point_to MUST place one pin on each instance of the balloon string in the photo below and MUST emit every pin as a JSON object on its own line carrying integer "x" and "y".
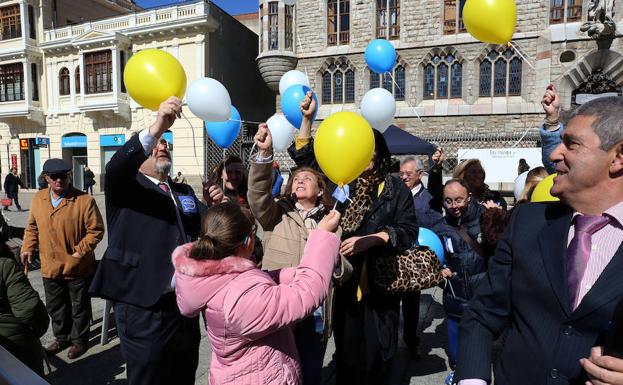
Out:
{"x": 245, "y": 121}
{"x": 298, "y": 40}
{"x": 521, "y": 55}
{"x": 193, "y": 135}
{"x": 224, "y": 167}
{"x": 406, "y": 99}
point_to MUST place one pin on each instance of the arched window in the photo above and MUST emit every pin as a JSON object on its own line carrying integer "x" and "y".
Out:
{"x": 395, "y": 86}
{"x": 77, "y": 80}
{"x": 443, "y": 77}
{"x": 338, "y": 83}
{"x": 338, "y": 22}
{"x": 500, "y": 74}
{"x": 64, "y": 87}
{"x": 388, "y": 19}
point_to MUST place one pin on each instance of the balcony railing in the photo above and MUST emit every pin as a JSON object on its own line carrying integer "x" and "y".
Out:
{"x": 147, "y": 18}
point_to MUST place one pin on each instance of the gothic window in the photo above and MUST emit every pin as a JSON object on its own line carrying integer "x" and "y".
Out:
{"x": 338, "y": 22}
{"x": 453, "y": 17}
{"x": 63, "y": 82}
{"x": 11, "y": 82}
{"x": 500, "y": 74}
{"x": 273, "y": 25}
{"x": 289, "y": 34}
{"x": 396, "y": 85}
{"x": 565, "y": 11}
{"x": 443, "y": 77}
{"x": 388, "y": 19}
{"x": 338, "y": 83}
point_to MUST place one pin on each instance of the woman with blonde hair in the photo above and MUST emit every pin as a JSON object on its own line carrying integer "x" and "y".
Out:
{"x": 535, "y": 175}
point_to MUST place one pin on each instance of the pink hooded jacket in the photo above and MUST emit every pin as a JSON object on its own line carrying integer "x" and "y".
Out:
{"x": 248, "y": 315}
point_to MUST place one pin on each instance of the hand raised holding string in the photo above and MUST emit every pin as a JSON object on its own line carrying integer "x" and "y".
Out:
{"x": 264, "y": 140}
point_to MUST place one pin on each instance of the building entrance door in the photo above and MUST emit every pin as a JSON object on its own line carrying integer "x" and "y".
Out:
{"x": 77, "y": 167}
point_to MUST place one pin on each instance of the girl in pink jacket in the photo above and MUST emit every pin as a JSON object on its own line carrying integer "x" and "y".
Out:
{"x": 248, "y": 313}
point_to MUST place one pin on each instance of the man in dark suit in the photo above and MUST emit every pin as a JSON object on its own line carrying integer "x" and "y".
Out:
{"x": 555, "y": 280}
{"x": 148, "y": 216}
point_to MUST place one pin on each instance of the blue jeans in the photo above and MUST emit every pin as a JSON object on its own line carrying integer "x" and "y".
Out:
{"x": 453, "y": 341}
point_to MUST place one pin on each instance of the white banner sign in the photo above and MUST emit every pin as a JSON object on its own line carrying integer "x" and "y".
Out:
{"x": 500, "y": 164}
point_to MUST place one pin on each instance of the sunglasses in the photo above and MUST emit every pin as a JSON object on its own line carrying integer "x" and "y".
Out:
{"x": 61, "y": 176}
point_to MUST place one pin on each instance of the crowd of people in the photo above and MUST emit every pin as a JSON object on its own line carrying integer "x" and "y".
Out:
{"x": 540, "y": 280}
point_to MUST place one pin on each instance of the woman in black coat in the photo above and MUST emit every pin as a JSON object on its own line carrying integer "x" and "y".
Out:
{"x": 378, "y": 222}
{"x": 11, "y": 187}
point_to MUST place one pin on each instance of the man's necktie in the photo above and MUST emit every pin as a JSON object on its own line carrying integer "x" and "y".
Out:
{"x": 164, "y": 187}
{"x": 579, "y": 251}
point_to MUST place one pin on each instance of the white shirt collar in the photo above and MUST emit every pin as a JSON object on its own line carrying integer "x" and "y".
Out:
{"x": 156, "y": 181}
{"x": 418, "y": 187}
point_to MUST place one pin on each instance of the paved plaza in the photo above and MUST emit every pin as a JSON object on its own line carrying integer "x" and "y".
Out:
{"x": 103, "y": 364}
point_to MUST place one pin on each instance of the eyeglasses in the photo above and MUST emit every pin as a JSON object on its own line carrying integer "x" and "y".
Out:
{"x": 61, "y": 176}
{"x": 408, "y": 174}
{"x": 454, "y": 202}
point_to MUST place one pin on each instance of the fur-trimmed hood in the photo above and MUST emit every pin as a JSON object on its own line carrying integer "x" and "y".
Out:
{"x": 186, "y": 265}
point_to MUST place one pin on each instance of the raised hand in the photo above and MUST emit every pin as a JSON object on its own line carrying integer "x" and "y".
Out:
{"x": 308, "y": 105}
{"x": 330, "y": 222}
{"x": 551, "y": 103}
{"x": 264, "y": 140}
{"x": 169, "y": 110}
{"x": 437, "y": 158}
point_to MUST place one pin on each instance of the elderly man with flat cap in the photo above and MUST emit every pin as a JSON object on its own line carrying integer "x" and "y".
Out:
{"x": 65, "y": 225}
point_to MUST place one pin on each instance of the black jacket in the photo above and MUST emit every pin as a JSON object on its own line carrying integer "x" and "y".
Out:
{"x": 142, "y": 230}
{"x": 11, "y": 183}
{"x": 525, "y": 296}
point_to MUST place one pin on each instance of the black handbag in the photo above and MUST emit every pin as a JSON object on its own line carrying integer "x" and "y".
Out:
{"x": 453, "y": 304}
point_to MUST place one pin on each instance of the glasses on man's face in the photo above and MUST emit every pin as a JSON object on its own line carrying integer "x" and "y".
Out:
{"x": 406, "y": 174}
{"x": 449, "y": 202}
{"x": 61, "y": 176}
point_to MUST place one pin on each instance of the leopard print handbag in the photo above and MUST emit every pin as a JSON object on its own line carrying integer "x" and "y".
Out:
{"x": 412, "y": 270}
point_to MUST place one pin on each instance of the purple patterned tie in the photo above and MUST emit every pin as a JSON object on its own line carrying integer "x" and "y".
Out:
{"x": 579, "y": 251}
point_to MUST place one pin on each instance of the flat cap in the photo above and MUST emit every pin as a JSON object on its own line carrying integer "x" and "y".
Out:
{"x": 55, "y": 166}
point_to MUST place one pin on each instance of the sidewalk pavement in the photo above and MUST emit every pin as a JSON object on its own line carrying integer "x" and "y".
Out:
{"x": 103, "y": 364}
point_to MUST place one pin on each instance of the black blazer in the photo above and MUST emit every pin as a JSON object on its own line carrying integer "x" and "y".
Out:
{"x": 142, "y": 230}
{"x": 525, "y": 296}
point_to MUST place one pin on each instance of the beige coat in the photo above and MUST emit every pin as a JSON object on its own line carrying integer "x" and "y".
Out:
{"x": 76, "y": 225}
{"x": 285, "y": 234}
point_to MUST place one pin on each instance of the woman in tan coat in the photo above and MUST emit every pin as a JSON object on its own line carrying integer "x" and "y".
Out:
{"x": 286, "y": 224}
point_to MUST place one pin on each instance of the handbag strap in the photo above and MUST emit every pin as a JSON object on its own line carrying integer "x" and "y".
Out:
{"x": 473, "y": 244}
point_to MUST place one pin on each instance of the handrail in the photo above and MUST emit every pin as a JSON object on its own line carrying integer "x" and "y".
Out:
{"x": 14, "y": 372}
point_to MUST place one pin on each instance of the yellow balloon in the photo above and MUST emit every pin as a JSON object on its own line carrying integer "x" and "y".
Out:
{"x": 490, "y": 21}
{"x": 344, "y": 146}
{"x": 542, "y": 193}
{"x": 151, "y": 76}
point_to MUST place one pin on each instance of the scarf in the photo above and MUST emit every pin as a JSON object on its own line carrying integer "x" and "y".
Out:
{"x": 311, "y": 216}
{"x": 360, "y": 203}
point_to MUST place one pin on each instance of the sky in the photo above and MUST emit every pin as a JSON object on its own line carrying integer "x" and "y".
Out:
{"x": 233, "y": 7}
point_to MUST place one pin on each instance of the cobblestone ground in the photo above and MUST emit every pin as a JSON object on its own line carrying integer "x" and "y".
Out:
{"x": 103, "y": 364}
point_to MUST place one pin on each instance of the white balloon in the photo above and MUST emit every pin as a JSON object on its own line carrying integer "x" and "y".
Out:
{"x": 209, "y": 100}
{"x": 520, "y": 183}
{"x": 378, "y": 106}
{"x": 289, "y": 2}
{"x": 282, "y": 132}
{"x": 292, "y": 78}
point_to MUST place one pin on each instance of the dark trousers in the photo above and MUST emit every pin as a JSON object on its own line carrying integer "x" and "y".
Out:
{"x": 159, "y": 344}
{"x": 69, "y": 304}
{"x": 410, "y": 318}
{"x": 88, "y": 187}
{"x": 311, "y": 350}
{"x": 453, "y": 341}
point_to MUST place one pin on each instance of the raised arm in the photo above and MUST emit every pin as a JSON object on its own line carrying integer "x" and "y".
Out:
{"x": 259, "y": 194}
{"x": 271, "y": 307}
{"x": 551, "y": 130}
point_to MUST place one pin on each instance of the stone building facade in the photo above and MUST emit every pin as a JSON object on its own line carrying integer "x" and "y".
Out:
{"x": 450, "y": 88}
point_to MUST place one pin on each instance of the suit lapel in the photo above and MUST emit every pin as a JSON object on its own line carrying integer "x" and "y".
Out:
{"x": 553, "y": 245}
{"x": 605, "y": 288}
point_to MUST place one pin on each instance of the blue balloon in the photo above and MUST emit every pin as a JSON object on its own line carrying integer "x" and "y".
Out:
{"x": 291, "y": 104}
{"x": 225, "y": 133}
{"x": 380, "y": 56}
{"x": 429, "y": 239}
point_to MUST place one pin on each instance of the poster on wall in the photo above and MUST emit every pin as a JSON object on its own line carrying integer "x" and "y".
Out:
{"x": 13, "y": 160}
